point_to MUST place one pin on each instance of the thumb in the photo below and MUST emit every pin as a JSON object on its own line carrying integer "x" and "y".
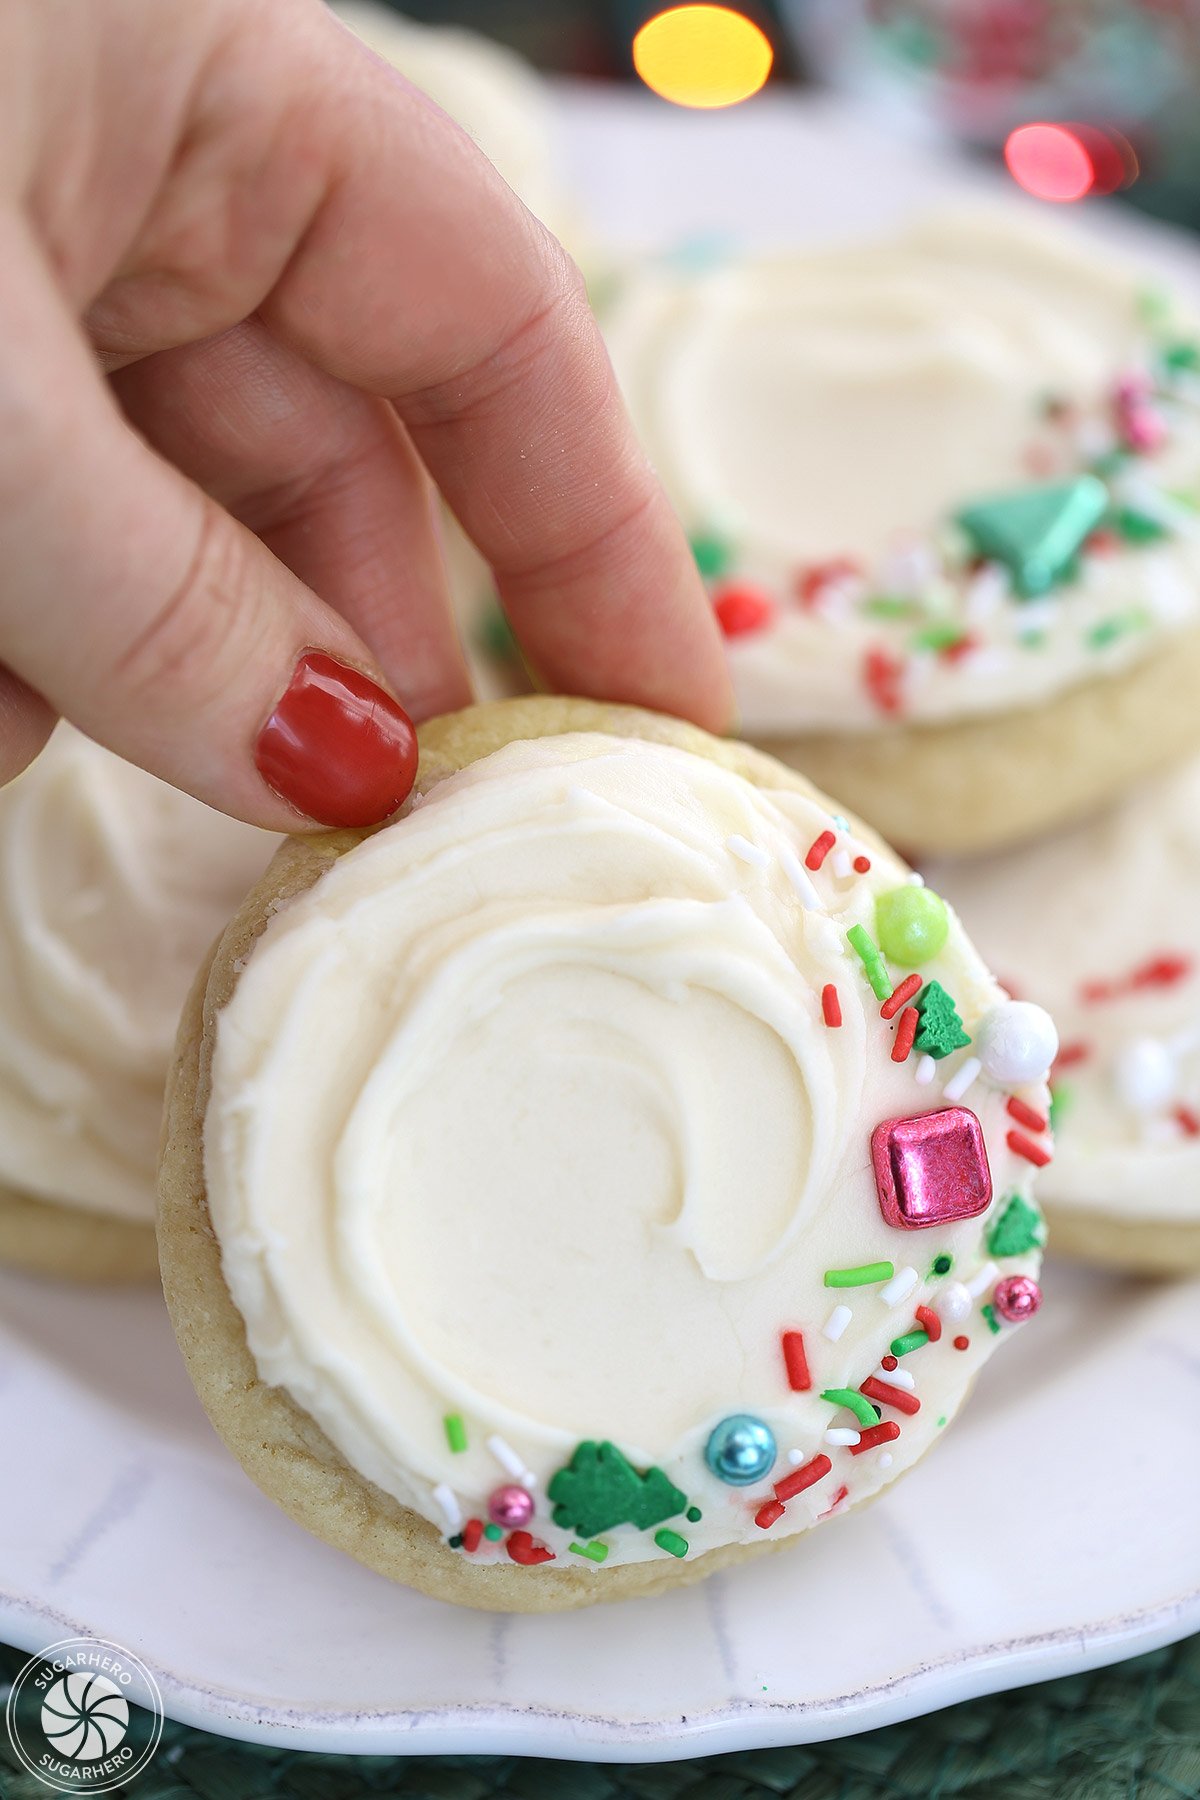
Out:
{"x": 154, "y": 621}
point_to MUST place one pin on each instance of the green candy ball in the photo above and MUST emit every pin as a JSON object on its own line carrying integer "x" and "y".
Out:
{"x": 911, "y": 924}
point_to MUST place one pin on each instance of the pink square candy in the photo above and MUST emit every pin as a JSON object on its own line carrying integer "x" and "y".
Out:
{"x": 932, "y": 1169}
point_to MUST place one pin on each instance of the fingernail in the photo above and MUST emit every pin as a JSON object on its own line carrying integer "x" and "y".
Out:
{"x": 336, "y": 747}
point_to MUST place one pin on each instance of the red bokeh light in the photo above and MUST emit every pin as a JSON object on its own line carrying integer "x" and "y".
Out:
{"x": 1050, "y": 161}
{"x": 1064, "y": 162}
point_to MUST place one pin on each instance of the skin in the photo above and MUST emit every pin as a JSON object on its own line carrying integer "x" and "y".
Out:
{"x": 260, "y": 298}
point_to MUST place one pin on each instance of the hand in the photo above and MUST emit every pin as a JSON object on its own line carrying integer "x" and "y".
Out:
{"x": 314, "y": 300}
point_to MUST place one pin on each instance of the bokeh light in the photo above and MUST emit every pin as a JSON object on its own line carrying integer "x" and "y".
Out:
{"x": 1050, "y": 162}
{"x": 705, "y": 56}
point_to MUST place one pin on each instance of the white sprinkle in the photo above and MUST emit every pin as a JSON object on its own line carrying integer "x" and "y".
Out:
{"x": 527, "y": 1478}
{"x": 915, "y": 879}
{"x": 898, "y": 1377}
{"x": 795, "y": 1457}
{"x": 506, "y": 1456}
{"x": 884, "y": 1461}
{"x": 836, "y": 1323}
{"x": 841, "y": 864}
{"x": 954, "y": 1303}
{"x": 797, "y": 874}
{"x": 926, "y": 1068}
{"x": 979, "y": 1284}
{"x": 746, "y": 852}
{"x": 448, "y": 1501}
{"x": 963, "y": 1078}
{"x": 841, "y": 1434}
{"x": 986, "y": 592}
{"x": 900, "y": 1286}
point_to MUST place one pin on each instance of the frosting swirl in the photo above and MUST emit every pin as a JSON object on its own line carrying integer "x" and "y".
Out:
{"x": 112, "y": 886}
{"x": 820, "y": 420}
{"x": 527, "y": 1128}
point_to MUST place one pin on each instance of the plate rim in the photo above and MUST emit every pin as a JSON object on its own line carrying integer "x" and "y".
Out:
{"x": 516, "y": 1729}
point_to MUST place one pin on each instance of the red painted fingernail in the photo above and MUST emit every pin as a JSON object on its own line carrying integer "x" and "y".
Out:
{"x": 337, "y": 747}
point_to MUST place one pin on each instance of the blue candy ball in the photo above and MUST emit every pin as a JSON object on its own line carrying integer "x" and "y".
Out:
{"x": 740, "y": 1450}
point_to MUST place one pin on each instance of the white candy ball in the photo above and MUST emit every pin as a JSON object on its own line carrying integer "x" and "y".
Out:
{"x": 1016, "y": 1041}
{"x": 1145, "y": 1074}
{"x": 954, "y": 1303}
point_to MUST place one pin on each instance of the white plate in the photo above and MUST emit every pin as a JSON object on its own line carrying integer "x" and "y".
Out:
{"x": 1054, "y": 1531}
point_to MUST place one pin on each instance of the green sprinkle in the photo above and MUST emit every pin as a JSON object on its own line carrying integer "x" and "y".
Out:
{"x": 496, "y": 635}
{"x": 1118, "y": 626}
{"x": 596, "y": 1551}
{"x": 456, "y": 1432}
{"x": 693, "y": 1515}
{"x": 942, "y": 1420}
{"x": 455, "y": 1542}
{"x": 1061, "y": 1098}
{"x": 712, "y": 553}
{"x": 1181, "y": 359}
{"x": 1138, "y": 527}
{"x": 493, "y": 1533}
{"x": 1017, "y": 1229}
{"x": 1181, "y": 497}
{"x": 857, "y": 1403}
{"x": 1154, "y": 306}
{"x": 862, "y": 1276}
{"x": 989, "y": 1313}
{"x": 868, "y": 952}
{"x": 912, "y": 1340}
{"x": 942, "y": 1264}
{"x": 671, "y": 1542}
{"x": 1032, "y": 640}
{"x": 940, "y": 1031}
{"x": 937, "y": 637}
{"x": 888, "y": 606}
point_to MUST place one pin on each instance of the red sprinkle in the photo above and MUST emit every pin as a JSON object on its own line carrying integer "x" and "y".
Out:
{"x": 802, "y": 1478}
{"x": 962, "y": 1343}
{"x": 862, "y": 865}
{"x": 472, "y": 1531}
{"x": 821, "y": 575}
{"x": 1185, "y": 1117}
{"x": 767, "y": 1514}
{"x": 932, "y": 1324}
{"x": 882, "y": 675}
{"x": 834, "y": 1503}
{"x": 877, "y": 1434}
{"x": 831, "y": 1006}
{"x": 1020, "y": 1145}
{"x": 889, "y": 1363}
{"x": 522, "y": 1549}
{"x": 1102, "y": 542}
{"x": 819, "y": 849}
{"x": 1025, "y": 1115}
{"x": 741, "y": 608}
{"x": 887, "y": 1395}
{"x": 906, "y": 1031}
{"x": 959, "y": 647}
{"x": 796, "y": 1362}
{"x": 1070, "y": 1054}
{"x": 1160, "y": 971}
{"x": 900, "y": 996}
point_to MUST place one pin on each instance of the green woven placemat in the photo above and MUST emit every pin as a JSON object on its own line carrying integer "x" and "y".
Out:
{"x": 1127, "y": 1733}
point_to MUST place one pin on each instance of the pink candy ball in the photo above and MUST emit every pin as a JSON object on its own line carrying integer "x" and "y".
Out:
{"x": 1017, "y": 1297}
{"x": 511, "y": 1506}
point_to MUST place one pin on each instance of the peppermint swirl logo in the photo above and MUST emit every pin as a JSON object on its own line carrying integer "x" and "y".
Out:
{"x": 84, "y": 1714}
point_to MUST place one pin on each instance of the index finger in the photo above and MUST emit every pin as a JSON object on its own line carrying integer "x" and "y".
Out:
{"x": 421, "y": 277}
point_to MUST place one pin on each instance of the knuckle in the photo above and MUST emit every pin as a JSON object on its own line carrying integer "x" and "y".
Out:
{"x": 191, "y": 640}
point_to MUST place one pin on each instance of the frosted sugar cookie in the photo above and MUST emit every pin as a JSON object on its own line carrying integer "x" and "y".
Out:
{"x": 614, "y": 1165}
{"x": 1102, "y": 924}
{"x": 944, "y": 488}
{"x": 112, "y": 886}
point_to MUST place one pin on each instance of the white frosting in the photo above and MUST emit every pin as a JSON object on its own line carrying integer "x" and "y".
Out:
{"x": 490, "y": 91}
{"x": 112, "y": 887}
{"x": 848, "y": 403}
{"x": 526, "y": 1111}
{"x": 1084, "y": 922}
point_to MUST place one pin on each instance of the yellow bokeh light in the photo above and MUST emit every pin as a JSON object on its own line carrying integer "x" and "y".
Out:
{"x": 702, "y": 56}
